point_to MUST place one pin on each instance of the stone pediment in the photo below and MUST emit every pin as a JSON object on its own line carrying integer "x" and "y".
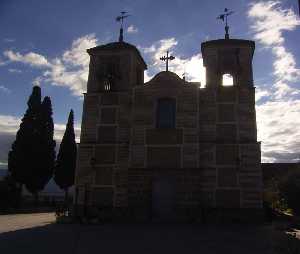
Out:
{"x": 166, "y": 79}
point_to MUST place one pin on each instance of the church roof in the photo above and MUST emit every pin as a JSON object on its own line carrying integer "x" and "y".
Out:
{"x": 228, "y": 42}
{"x": 117, "y": 46}
{"x": 166, "y": 77}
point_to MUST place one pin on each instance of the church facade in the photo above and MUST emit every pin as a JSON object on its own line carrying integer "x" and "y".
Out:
{"x": 167, "y": 148}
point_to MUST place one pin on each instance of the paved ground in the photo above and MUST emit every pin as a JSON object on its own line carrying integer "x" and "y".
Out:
{"x": 22, "y": 221}
{"x": 35, "y": 233}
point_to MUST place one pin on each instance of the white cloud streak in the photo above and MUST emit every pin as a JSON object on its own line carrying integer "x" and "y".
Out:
{"x": 278, "y": 129}
{"x": 10, "y": 125}
{"x": 30, "y": 58}
{"x": 261, "y": 93}
{"x": 132, "y": 29}
{"x": 269, "y": 21}
{"x": 8, "y": 40}
{"x": 278, "y": 114}
{"x": 4, "y": 89}
{"x": 69, "y": 70}
{"x": 14, "y": 71}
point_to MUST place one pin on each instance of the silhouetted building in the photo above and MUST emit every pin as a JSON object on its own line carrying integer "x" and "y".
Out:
{"x": 166, "y": 148}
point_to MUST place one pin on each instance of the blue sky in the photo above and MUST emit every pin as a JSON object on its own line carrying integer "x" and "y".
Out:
{"x": 44, "y": 42}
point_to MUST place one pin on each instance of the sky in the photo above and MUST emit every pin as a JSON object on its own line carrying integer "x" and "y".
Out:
{"x": 44, "y": 43}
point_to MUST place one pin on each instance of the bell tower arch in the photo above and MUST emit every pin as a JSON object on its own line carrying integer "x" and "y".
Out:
{"x": 116, "y": 66}
{"x": 228, "y": 56}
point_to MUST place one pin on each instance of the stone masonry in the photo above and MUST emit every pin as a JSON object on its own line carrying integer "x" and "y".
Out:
{"x": 209, "y": 159}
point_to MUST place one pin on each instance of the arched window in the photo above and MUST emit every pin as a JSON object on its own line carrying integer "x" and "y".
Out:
{"x": 107, "y": 85}
{"x": 227, "y": 80}
{"x": 166, "y": 111}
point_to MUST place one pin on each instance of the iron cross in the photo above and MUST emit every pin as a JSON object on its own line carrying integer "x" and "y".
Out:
{"x": 224, "y": 17}
{"x": 167, "y": 58}
{"x": 121, "y": 19}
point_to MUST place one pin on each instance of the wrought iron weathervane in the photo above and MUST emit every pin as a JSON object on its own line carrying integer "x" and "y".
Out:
{"x": 167, "y": 58}
{"x": 224, "y": 17}
{"x": 121, "y": 19}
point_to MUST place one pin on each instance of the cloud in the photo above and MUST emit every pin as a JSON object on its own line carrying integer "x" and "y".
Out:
{"x": 159, "y": 48}
{"x": 59, "y": 130}
{"x": 3, "y": 165}
{"x": 9, "y": 126}
{"x": 132, "y": 29}
{"x": 37, "y": 81}
{"x": 76, "y": 55}
{"x": 6, "y": 139}
{"x": 8, "y": 40}
{"x": 3, "y": 62}
{"x": 30, "y": 58}
{"x": 191, "y": 66}
{"x": 5, "y": 90}
{"x": 278, "y": 129}
{"x": 69, "y": 70}
{"x": 261, "y": 93}
{"x": 278, "y": 108}
{"x": 14, "y": 70}
{"x": 269, "y": 21}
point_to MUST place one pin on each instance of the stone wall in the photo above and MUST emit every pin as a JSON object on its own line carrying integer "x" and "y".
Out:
{"x": 215, "y": 135}
{"x": 207, "y": 141}
{"x": 107, "y": 146}
{"x": 212, "y": 152}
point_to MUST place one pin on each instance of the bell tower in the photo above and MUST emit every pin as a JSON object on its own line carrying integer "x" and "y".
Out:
{"x": 103, "y": 153}
{"x": 115, "y": 67}
{"x": 232, "y": 123}
{"x": 228, "y": 56}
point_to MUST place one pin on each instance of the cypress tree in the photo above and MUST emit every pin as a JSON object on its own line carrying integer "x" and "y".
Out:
{"x": 43, "y": 165}
{"x": 64, "y": 173}
{"x": 48, "y": 140}
{"x": 23, "y": 152}
{"x": 31, "y": 159}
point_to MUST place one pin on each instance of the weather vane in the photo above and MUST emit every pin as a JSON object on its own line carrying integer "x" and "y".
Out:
{"x": 224, "y": 18}
{"x": 167, "y": 58}
{"x": 121, "y": 19}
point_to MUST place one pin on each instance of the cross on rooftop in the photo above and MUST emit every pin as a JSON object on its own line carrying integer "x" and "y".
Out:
{"x": 121, "y": 19}
{"x": 224, "y": 17}
{"x": 167, "y": 58}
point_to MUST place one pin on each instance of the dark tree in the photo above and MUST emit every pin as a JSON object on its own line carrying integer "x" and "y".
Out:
{"x": 48, "y": 140}
{"x": 23, "y": 151}
{"x": 43, "y": 165}
{"x": 289, "y": 188}
{"x": 66, "y": 159}
{"x": 31, "y": 159}
{"x": 9, "y": 194}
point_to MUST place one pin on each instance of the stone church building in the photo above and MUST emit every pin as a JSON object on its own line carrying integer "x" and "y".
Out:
{"x": 166, "y": 148}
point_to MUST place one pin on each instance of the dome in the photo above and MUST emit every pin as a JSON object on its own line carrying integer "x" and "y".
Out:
{"x": 167, "y": 77}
